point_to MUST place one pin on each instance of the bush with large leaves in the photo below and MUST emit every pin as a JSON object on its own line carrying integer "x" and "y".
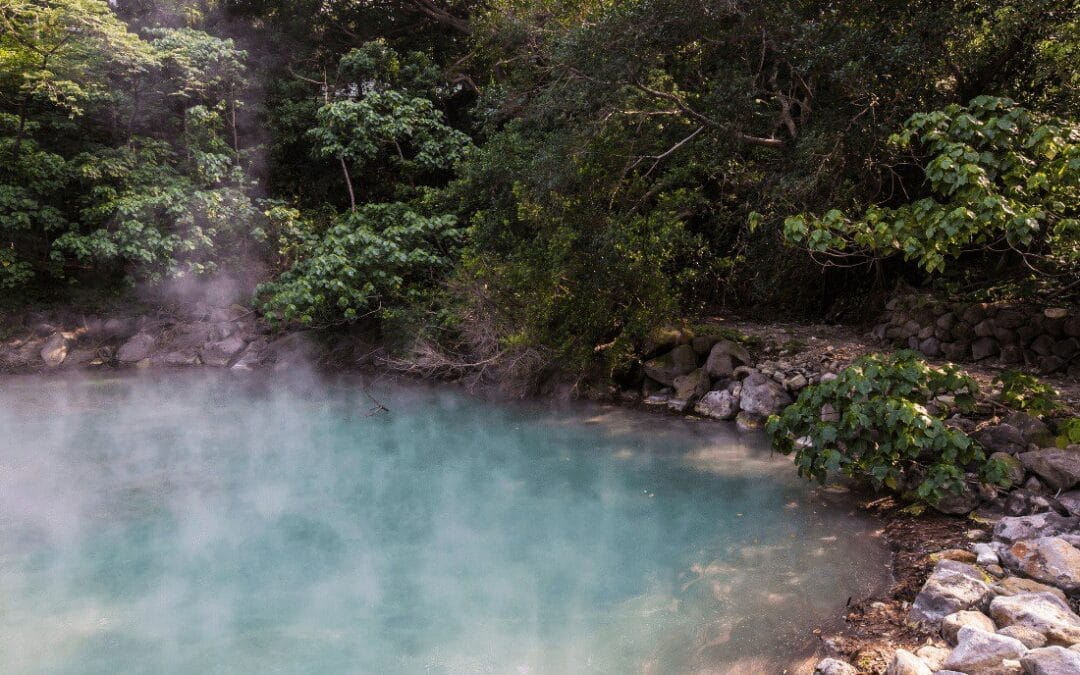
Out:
{"x": 872, "y": 423}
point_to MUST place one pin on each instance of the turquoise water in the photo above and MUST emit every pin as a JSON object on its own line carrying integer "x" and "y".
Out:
{"x": 198, "y": 524}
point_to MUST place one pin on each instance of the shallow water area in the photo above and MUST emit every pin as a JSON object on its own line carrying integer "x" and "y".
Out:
{"x": 200, "y": 522}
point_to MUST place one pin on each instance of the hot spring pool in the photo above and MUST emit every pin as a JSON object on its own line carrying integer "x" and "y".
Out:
{"x": 205, "y": 524}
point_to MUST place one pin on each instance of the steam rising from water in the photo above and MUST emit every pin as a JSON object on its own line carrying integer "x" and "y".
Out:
{"x": 203, "y": 524}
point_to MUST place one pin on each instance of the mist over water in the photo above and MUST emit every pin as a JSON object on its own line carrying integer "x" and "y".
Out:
{"x": 202, "y": 523}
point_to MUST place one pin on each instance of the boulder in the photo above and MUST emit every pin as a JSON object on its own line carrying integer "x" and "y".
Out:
{"x": 834, "y": 667}
{"x": 253, "y": 356}
{"x": 933, "y": 655}
{"x": 980, "y": 653}
{"x": 115, "y": 328}
{"x": 1001, "y": 438}
{"x": 1051, "y": 661}
{"x": 1070, "y": 501}
{"x": 1058, "y": 468}
{"x": 692, "y": 386}
{"x": 1013, "y": 529}
{"x": 1018, "y": 585}
{"x": 747, "y": 423}
{"x": 984, "y": 348}
{"x": 1014, "y": 470}
{"x": 958, "y": 504}
{"x": 136, "y": 349}
{"x": 182, "y": 358}
{"x": 1031, "y": 638}
{"x": 952, "y": 587}
{"x": 660, "y": 397}
{"x": 951, "y": 625}
{"x": 665, "y": 368}
{"x": 724, "y": 356}
{"x": 1031, "y": 428}
{"x": 906, "y": 663}
{"x": 1051, "y": 560}
{"x": 55, "y": 350}
{"x": 985, "y": 555}
{"x": 1045, "y": 613}
{"x": 762, "y": 396}
{"x": 720, "y": 405}
{"x": 220, "y": 353}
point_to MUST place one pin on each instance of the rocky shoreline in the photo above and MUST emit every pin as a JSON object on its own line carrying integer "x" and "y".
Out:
{"x": 997, "y": 593}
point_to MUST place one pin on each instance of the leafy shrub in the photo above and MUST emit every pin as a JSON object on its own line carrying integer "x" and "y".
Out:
{"x": 1026, "y": 392}
{"x": 1068, "y": 432}
{"x": 375, "y": 260}
{"x": 872, "y": 423}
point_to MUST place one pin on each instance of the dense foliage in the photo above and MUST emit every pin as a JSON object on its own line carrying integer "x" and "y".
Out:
{"x": 554, "y": 176}
{"x": 873, "y": 423}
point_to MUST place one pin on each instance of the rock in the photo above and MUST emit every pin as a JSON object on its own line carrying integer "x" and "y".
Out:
{"x": 1017, "y": 585}
{"x": 679, "y": 405}
{"x": 747, "y": 423}
{"x": 952, "y": 587}
{"x": 958, "y": 504}
{"x": 1055, "y": 312}
{"x": 834, "y": 667}
{"x": 1013, "y": 529}
{"x": 703, "y": 344}
{"x": 1043, "y": 345}
{"x": 693, "y": 385}
{"x": 719, "y": 405}
{"x": 1032, "y": 429}
{"x": 955, "y": 351}
{"x": 220, "y": 353}
{"x": 930, "y": 346}
{"x": 252, "y": 357}
{"x": 1001, "y": 438}
{"x": 55, "y": 350}
{"x": 1014, "y": 470}
{"x": 984, "y": 348}
{"x": 1058, "y": 468}
{"x": 985, "y": 554}
{"x": 906, "y": 663}
{"x": 1051, "y": 560}
{"x": 723, "y": 357}
{"x": 1071, "y": 501}
{"x": 1045, "y": 613}
{"x": 115, "y": 328}
{"x": 957, "y": 554}
{"x": 933, "y": 656}
{"x": 795, "y": 383}
{"x": 1031, "y": 638}
{"x": 659, "y": 398}
{"x": 951, "y": 624}
{"x": 182, "y": 358}
{"x": 664, "y": 339}
{"x": 762, "y": 396}
{"x": 136, "y": 349}
{"x": 679, "y": 361}
{"x": 1051, "y": 661}
{"x": 980, "y": 653}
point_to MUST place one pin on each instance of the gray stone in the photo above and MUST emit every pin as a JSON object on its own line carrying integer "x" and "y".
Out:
{"x": 1071, "y": 501}
{"x": 136, "y": 349}
{"x": 666, "y": 368}
{"x": 985, "y": 328}
{"x": 720, "y": 405}
{"x": 933, "y": 655}
{"x": 1051, "y": 560}
{"x": 1043, "y": 345}
{"x": 693, "y": 385}
{"x": 679, "y": 405}
{"x": 906, "y": 663}
{"x": 1051, "y": 661}
{"x": 1058, "y": 468}
{"x": 219, "y": 354}
{"x": 984, "y": 348}
{"x": 55, "y": 350}
{"x": 1031, "y": 638}
{"x": 660, "y": 397}
{"x": 1001, "y": 438}
{"x": 1045, "y": 613}
{"x": 1013, "y": 529}
{"x": 951, "y": 624}
{"x": 1014, "y": 470}
{"x": 116, "y": 328}
{"x": 985, "y": 555}
{"x": 724, "y": 356}
{"x": 1019, "y": 585}
{"x": 182, "y": 358}
{"x": 982, "y": 653}
{"x": 834, "y": 667}
{"x": 930, "y": 346}
{"x": 1065, "y": 349}
{"x": 762, "y": 396}
{"x": 1031, "y": 428}
{"x": 951, "y": 587}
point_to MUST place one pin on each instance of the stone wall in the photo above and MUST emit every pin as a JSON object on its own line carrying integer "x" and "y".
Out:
{"x": 1045, "y": 338}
